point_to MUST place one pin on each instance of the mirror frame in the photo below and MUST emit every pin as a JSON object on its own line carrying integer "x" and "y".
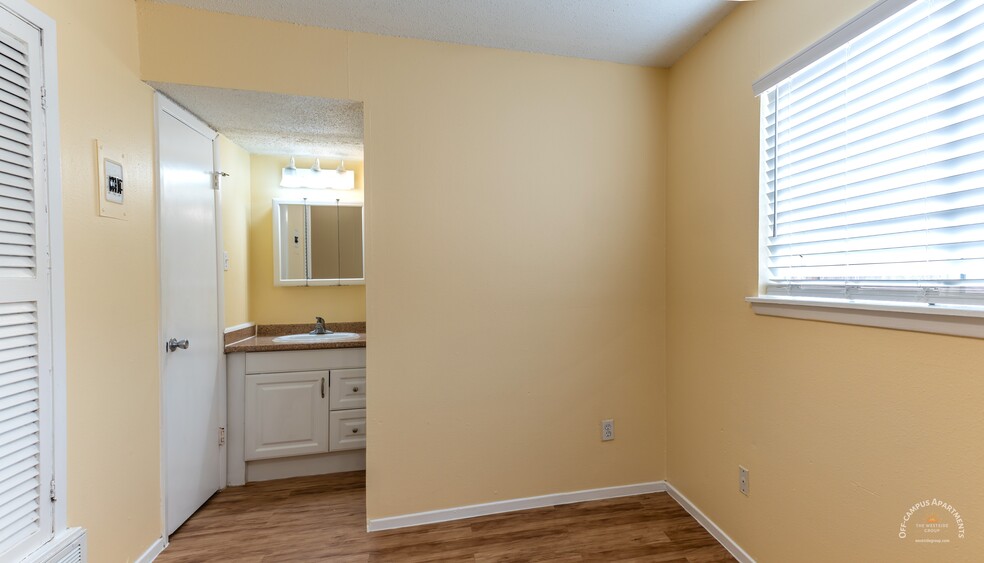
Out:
{"x": 277, "y": 242}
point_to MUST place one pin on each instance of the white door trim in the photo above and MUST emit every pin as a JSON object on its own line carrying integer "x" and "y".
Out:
{"x": 158, "y": 110}
{"x": 56, "y": 238}
{"x": 220, "y": 301}
{"x": 162, "y": 105}
{"x": 181, "y": 114}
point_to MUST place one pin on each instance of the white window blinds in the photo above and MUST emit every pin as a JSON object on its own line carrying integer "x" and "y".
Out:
{"x": 26, "y": 444}
{"x": 873, "y": 163}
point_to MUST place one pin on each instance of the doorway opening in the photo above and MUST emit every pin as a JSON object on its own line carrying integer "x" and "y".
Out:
{"x": 288, "y": 256}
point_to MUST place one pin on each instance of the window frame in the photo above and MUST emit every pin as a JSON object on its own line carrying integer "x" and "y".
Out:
{"x": 942, "y": 318}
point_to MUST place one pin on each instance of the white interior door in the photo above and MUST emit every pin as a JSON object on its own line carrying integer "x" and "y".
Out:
{"x": 189, "y": 308}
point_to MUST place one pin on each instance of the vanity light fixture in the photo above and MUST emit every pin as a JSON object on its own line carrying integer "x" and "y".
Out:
{"x": 316, "y": 178}
{"x": 289, "y": 178}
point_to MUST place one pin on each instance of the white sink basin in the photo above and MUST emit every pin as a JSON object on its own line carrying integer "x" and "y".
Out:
{"x": 330, "y": 337}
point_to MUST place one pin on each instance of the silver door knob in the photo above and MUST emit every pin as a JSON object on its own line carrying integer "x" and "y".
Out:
{"x": 173, "y": 344}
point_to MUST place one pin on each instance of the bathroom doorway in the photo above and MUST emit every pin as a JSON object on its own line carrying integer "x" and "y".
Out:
{"x": 291, "y": 248}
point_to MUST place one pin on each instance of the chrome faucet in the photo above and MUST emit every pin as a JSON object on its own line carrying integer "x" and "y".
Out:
{"x": 319, "y": 326}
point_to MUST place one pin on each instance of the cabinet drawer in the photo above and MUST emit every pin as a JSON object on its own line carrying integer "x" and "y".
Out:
{"x": 348, "y": 430}
{"x": 348, "y": 389}
{"x": 286, "y": 414}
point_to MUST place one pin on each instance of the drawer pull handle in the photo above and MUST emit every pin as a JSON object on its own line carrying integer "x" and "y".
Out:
{"x": 355, "y": 430}
{"x": 322, "y": 388}
{"x": 355, "y": 389}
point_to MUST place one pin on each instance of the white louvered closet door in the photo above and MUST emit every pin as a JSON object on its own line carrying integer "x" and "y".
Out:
{"x": 26, "y": 443}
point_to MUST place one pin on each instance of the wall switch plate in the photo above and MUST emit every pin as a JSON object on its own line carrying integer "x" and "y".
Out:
{"x": 607, "y": 430}
{"x": 111, "y": 182}
{"x": 225, "y": 260}
{"x": 743, "y": 480}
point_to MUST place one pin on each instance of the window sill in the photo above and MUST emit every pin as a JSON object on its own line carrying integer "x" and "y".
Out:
{"x": 954, "y": 320}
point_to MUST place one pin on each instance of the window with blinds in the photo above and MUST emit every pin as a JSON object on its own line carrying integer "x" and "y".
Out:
{"x": 873, "y": 164}
{"x": 26, "y": 438}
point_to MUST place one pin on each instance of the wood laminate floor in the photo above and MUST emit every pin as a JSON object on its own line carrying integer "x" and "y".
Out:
{"x": 323, "y": 518}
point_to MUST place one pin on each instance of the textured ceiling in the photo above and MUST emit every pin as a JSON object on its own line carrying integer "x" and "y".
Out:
{"x": 642, "y": 32}
{"x": 265, "y": 123}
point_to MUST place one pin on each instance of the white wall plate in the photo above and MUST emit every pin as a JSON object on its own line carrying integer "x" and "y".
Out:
{"x": 111, "y": 185}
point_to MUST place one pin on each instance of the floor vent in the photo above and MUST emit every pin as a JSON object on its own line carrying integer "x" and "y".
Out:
{"x": 69, "y": 548}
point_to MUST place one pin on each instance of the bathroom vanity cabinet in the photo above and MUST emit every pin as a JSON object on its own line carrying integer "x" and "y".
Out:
{"x": 295, "y": 413}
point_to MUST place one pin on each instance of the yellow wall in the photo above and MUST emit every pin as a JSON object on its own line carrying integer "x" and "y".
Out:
{"x": 236, "y": 202}
{"x": 515, "y": 250}
{"x": 271, "y": 304}
{"x": 111, "y": 282}
{"x": 843, "y": 428}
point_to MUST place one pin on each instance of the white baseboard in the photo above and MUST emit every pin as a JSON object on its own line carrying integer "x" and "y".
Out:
{"x": 471, "y": 511}
{"x": 302, "y": 466}
{"x": 152, "y": 552}
{"x": 722, "y": 538}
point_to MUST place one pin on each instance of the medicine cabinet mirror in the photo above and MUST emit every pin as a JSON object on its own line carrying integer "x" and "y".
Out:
{"x": 318, "y": 243}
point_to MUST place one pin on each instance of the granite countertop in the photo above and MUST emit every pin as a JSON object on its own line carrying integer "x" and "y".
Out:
{"x": 260, "y": 338}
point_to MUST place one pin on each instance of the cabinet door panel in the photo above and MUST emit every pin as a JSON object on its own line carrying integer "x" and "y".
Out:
{"x": 348, "y": 430}
{"x": 348, "y": 389}
{"x": 286, "y": 414}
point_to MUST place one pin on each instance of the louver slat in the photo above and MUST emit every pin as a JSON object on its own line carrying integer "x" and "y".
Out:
{"x": 14, "y": 67}
{"x": 15, "y": 54}
{"x": 17, "y": 222}
{"x": 20, "y": 485}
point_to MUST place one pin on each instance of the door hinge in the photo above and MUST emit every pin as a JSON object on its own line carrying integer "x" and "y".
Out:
{"x": 215, "y": 178}
{"x": 44, "y": 98}
{"x": 222, "y": 435}
{"x": 51, "y": 490}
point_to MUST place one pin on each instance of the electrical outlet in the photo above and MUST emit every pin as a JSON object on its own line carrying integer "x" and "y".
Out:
{"x": 743, "y": 480}
{"x": 607, "y": 430}
{"x": 225, "y": 260}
